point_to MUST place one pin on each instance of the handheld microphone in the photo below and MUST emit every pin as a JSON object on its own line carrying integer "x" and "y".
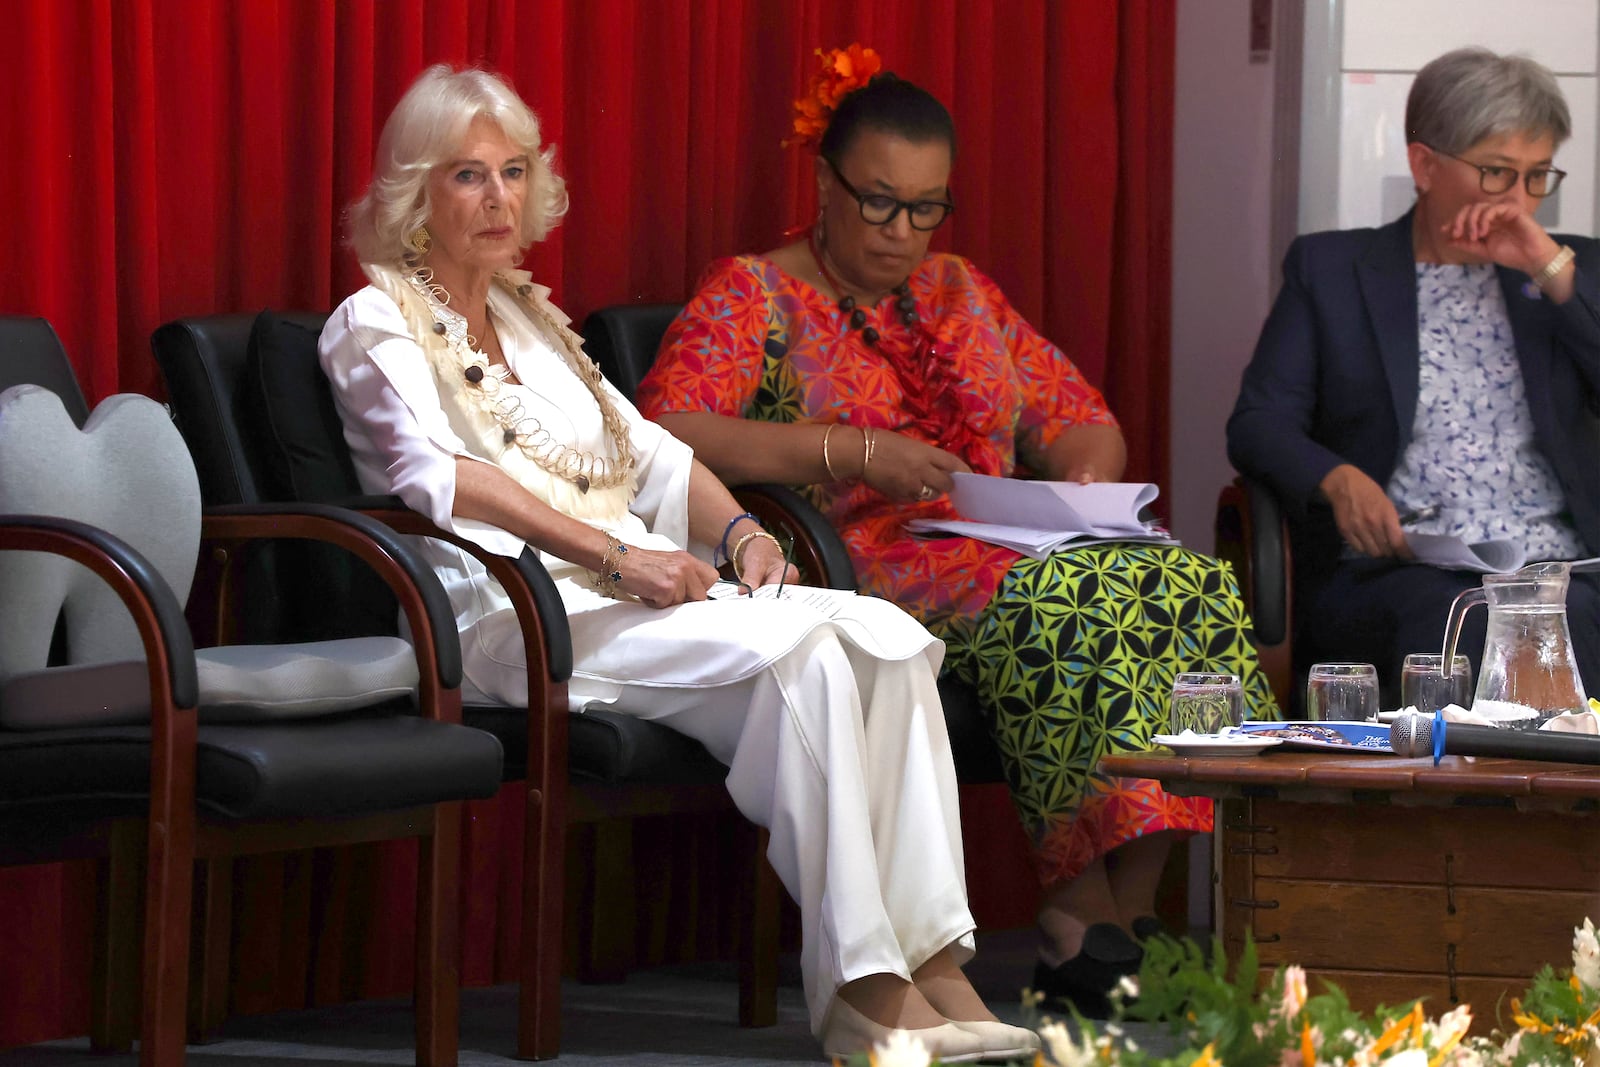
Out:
{"x": 1431, "y": 735}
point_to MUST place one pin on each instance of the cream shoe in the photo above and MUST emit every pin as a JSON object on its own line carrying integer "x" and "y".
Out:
{"x": 848, "y": 1032}
{"x": 1001, "y": 1041}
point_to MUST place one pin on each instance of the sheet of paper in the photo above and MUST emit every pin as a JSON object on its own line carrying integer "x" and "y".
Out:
{"x": 1065, "y": 507}
{"x": 1036, "y": 543}
{"x": 826, "y": 601}
{"x": 1452, "y": 553}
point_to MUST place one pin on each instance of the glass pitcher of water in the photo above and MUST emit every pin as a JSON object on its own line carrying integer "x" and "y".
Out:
{"x": 1529, "y": 672}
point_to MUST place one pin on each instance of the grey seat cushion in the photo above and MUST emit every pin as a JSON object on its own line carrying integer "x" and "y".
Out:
{"x": 238, "y": 683}
{"x": 252, "y": 682}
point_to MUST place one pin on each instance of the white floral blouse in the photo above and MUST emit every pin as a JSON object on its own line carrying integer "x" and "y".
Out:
{"x": 1472, "y": 452}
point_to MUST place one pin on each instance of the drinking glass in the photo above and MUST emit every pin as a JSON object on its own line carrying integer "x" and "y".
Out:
{"x": 1424, "y": 688}
{"x": 1205, "y": 703}
{"x": 1342, "y": 692}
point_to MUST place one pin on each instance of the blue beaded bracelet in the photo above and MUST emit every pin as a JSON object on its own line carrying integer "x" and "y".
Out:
{"x": 722, "y": 548}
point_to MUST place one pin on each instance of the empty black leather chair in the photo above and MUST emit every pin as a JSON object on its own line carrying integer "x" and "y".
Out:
{"x": 126, "y": 743}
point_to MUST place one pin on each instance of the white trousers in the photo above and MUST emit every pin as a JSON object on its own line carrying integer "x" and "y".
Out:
{"x": 843, "y": 757}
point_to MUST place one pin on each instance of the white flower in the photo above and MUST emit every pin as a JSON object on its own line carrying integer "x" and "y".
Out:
{"x": 1127, "y": 987}
{"x": 1586, "y": 954}
{"x": 1465, "y": 1055}
{"x": 1452, "y": 1024}
{"x": 1411, "y": 1057}
{"x": 901, "y": 1049}
{"x": 1294, "y": 991}
{"x": 1062, "y": 1049}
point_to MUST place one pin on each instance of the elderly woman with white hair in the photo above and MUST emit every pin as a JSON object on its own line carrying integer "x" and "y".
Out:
{"x": 462, "y": 390}
{"x": 1440, "y": 374}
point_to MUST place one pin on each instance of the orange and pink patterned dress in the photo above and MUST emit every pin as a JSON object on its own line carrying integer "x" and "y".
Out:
{"x": 1072, "y": 656}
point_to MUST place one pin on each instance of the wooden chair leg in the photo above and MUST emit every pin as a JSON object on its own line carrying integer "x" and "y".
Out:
{"x": 438, "y": 976}
{"x": 114, "y": 983}
{"x": 544, "y": 876}
{"x": 606, "y": 915}
{"x": 169, "y": 886}
{"x": 211, "y": 960}
{"x": 758, "y": 937}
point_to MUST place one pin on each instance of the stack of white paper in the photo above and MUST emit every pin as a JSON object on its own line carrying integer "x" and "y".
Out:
{"x": 1483, "y": 557}
{"x": 1038, "y": 518}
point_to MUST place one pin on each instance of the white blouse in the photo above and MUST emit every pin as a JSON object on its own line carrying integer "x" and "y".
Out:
{"x": 1472, "y": 452}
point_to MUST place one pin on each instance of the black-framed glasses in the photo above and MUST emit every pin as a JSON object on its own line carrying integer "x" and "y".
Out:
{"x": 878, "y": 209}
{"x": 1494, "y": 180}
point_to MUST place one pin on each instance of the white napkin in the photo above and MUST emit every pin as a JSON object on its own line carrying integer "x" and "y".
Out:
{"x": 1581, "y": 722}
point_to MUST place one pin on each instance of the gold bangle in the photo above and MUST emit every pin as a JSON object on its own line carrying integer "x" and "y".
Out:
{"x": 609, "y": 576}
{"x": 826, "y": 462}
{"x": 738, "y": 550}
{"x": 866, "y": 449}
{"x": 1547, "y": 274}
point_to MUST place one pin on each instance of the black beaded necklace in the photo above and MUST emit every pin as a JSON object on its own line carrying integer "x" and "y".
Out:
{"x": 904, "y": 303}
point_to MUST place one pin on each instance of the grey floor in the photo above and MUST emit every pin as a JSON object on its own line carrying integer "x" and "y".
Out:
{"x": 662, "y": 1017}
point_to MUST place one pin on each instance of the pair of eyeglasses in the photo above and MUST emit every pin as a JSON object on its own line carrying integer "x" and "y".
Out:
{"x": 1494, "y": 180}
{"x": 878, "y": 209}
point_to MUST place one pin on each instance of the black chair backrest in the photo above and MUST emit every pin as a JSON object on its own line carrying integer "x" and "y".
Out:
{"x": 31, "y": 354}
{"x": 228, "y": 376}
{"x": 622, "y": 340}
{"x": 207, "y": 363}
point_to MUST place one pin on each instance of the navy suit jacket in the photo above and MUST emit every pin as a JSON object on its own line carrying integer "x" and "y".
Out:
{"x": 1334, "y": 376}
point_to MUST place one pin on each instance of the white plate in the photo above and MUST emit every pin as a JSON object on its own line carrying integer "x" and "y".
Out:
{"x": 1215, "y": 744}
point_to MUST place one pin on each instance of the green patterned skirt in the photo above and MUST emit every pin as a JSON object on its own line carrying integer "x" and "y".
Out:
{"x": 1074, "y": 658}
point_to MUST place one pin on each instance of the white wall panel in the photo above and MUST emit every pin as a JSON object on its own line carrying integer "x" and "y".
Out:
{"x": 1402, "y": 35}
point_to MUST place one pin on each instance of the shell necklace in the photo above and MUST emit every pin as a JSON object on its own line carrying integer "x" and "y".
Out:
{"x": 485, "y": 384}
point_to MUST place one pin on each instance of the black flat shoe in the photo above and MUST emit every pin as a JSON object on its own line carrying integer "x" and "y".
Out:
{"x": 1087, "y": 979}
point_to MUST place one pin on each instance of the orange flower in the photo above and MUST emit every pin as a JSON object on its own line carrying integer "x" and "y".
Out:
{"x": 843, "y": 70}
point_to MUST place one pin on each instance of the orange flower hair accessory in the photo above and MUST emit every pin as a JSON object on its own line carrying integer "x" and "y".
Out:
{"x": 843, "y": 71}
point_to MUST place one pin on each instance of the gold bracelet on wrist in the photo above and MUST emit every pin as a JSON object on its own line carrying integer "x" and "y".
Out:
{"x": 1548, "y": 272}
{"x": 827, "y": 464}
{"x": 609, "y": 576}
{"x": 866, "y": 449}
{"x": 738, "y": 550}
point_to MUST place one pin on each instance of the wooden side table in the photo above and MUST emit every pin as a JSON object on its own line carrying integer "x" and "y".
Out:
{"x": 1395, "y": 878}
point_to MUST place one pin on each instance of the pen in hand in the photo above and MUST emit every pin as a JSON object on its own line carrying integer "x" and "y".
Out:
{"x": 788, "y": 558}
{"x": 1416, "y": 515}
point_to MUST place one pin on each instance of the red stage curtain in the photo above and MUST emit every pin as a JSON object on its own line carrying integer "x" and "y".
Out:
{"x": 180, "y": 157}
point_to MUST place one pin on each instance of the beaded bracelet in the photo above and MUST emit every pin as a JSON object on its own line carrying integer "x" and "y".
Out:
{"x": 722, "y": 546}
{"x": 738, "y": 548}
{"x": 609, "y": 576}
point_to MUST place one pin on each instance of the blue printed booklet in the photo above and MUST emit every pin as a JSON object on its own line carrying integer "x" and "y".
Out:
{"x": 1327, "y": 736}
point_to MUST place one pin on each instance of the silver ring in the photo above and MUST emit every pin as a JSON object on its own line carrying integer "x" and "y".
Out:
{"x": 928, "y": 493}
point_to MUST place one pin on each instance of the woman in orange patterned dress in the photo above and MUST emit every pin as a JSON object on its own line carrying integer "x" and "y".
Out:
{"x": 860, "y": 366}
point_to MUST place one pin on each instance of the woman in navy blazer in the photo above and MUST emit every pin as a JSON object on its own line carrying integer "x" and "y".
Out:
{"x": 1445, "y": 368}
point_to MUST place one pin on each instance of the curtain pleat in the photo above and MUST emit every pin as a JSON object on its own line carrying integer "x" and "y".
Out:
{"x": 184, "y": 157}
